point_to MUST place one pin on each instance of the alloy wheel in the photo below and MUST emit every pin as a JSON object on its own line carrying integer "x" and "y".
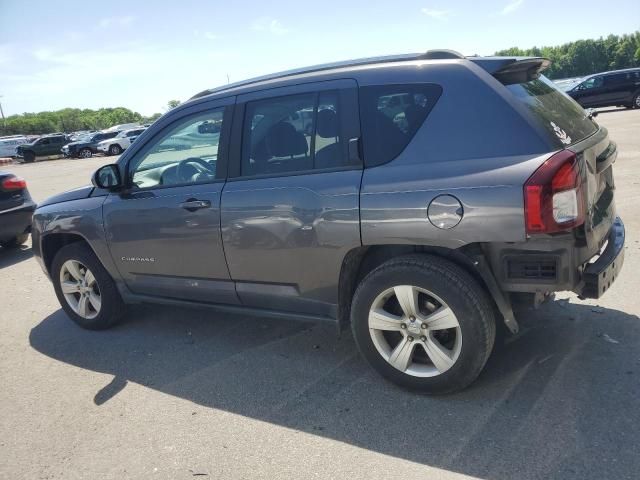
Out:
{"x": 415, "y": 331}
{"x": 80, "y": 289}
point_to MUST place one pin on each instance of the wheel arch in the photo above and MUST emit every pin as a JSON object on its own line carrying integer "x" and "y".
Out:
{"x": 53, "y": 242}
{"x": 361, "y": 260}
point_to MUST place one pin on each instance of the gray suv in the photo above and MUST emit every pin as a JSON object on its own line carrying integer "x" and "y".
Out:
{"x": 415, "y": 199}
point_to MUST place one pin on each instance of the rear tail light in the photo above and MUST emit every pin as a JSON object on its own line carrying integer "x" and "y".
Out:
{"x": 14, "y": 183}
{"x": 553, "y": 199}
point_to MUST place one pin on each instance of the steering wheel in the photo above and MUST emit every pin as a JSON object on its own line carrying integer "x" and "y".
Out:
{"x": 192, "y": 167}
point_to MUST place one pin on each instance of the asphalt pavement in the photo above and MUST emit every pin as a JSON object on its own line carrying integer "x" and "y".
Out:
{"x": 179, "y": 394}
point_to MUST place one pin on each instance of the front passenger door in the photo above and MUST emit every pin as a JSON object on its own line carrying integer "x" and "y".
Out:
{"x": 164, "y": 229}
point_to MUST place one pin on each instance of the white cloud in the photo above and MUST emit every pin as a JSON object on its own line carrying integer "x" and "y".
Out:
{"x": 207, "y": 35}
{"x": 434, "y": 13}
{"x": 143, "y": 82}
{"x": 123, "y": 21}
{"x": 269, "y": 24}
{"x": 511, "y": 7}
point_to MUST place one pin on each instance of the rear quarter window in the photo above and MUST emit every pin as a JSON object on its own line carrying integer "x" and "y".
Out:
{"x": 390, "y": 116}
{"x": 557, "y": 113}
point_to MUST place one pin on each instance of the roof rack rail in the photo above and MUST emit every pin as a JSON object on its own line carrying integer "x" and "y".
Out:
{"x": 428, "y": 55}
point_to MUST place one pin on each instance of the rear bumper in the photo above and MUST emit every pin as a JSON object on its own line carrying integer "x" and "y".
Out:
{"x": 16, "y": 221}
{"x": 558, "y": 263}
{"x": 600, "y": 274}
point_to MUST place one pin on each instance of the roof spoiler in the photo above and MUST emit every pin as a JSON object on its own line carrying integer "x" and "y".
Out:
{"x": 513, "y": 70}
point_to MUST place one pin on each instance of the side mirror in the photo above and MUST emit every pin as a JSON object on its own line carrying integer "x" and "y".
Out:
{"x": 107, "y": 177}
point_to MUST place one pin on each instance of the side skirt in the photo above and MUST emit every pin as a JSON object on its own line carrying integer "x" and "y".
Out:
{"x": 130, "y": 298}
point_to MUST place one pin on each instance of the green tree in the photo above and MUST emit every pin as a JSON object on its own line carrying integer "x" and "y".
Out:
{"x": 67, "y": 120}
{"x": 584, "y": 57}
{"x": 172, "y": 104}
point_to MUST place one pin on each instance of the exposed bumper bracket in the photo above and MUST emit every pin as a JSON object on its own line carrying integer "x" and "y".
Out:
{"x": 599, "y": 275}
{"x": 503, "y": 303}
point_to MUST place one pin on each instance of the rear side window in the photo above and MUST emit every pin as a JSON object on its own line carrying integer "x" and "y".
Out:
{"x": 557, "y": 113}
{"x": 616, "y": 79}
{"x": 293, "y": 134}
{"x": 390, "y": 115}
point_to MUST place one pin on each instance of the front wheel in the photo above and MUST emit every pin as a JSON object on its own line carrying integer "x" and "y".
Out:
{"x": 635, "y": 103}
{"x": 29, "y": 156}
{"x": 85, "y": 290}
{"x": 85, "y": 153}
{"x": 423, "y": 323}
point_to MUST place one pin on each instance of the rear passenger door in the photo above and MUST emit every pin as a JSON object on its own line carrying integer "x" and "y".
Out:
{"x": 290, "y": 209}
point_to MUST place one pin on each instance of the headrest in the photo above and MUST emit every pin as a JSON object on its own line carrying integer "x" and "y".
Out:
{"x": 327, "y": 123}
{"x": 283, "y": 140}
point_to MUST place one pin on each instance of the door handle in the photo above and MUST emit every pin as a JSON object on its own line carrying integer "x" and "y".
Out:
{"x": 192, "y": 204}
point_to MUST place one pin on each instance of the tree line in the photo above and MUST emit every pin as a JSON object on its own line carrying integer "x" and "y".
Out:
{"x": 70, "y": 120}
{"x": 584, "y": 57}
{"x": 74, "y": 119}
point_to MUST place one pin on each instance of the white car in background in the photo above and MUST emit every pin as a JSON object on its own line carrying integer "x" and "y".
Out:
{"x": 8, "y": 144}
{"x": 119, "y": 143}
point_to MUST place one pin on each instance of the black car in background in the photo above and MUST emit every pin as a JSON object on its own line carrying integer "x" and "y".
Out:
{"x": 87, "y": 145}
{"x": 16, "y": 209}
{"x": 608, "y": 89}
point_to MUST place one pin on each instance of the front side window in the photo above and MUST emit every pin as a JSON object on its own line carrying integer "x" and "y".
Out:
{"x": 391, "y": 115}
{"x": 185, "y": 154}
{"x": 593, "y": 82}
{"x": 292, "y": 133}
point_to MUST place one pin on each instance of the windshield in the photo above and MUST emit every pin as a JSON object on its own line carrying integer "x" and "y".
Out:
{"x": 555, "y": 111}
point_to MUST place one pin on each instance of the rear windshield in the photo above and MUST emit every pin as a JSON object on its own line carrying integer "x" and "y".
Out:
{"x": 557, "y": 113}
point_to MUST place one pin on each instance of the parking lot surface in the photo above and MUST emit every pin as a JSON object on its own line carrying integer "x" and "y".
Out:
{"x": 180, "y": 394}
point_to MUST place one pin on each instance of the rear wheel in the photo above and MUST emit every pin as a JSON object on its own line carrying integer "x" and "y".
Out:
{"x": 115, "y": 149}
{"x": 85, "y": 153}
{"x": 85, "y": 290}
{"x": 16, "y": 241}
{"x": 423, "y": 323}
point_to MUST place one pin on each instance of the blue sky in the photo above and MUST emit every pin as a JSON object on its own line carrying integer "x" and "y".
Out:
{"x": 138, "y": 54}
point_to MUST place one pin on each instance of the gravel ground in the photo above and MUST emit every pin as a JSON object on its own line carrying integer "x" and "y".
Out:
{"x": 181, "y": 394}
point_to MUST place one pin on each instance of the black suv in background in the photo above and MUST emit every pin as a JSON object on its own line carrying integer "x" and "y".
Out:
{"x": 609, "y": 89}
{"x": 86, "y": 146}
{"x": 45, "y": 145}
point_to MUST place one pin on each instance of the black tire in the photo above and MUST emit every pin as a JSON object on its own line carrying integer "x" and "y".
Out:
{"x": 635, "y": 103}
{"x": 463, "y": 294}
{"x": 29, "y": 156}
{"x": 85, "y": 153}
{"x": 16, "y": 241}
{"x": 112, "y": 308}
{"x": 115, "y": 149}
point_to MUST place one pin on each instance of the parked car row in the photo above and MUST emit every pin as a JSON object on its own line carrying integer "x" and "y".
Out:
{"x": 112, "y": 141}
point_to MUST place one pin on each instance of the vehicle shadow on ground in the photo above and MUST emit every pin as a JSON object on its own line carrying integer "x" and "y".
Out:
{"x": 11, "y": 256}
{"x": 560, "y": 400}
{"x": 611, "y": 109}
